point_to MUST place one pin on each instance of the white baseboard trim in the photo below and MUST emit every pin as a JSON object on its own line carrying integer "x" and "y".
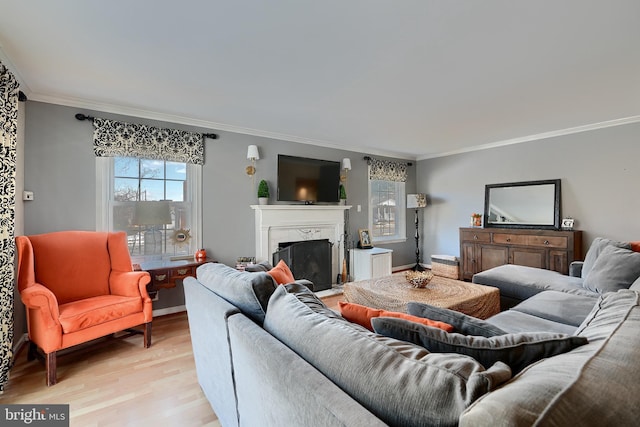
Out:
{"x": 409, "y": 267}
{"x": 169, "y": 310}
{"x": 17, "y": 346}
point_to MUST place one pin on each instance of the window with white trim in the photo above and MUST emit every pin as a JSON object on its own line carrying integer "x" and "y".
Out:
{"x": 387, "y": 213}
{"x": 155, "y": 202}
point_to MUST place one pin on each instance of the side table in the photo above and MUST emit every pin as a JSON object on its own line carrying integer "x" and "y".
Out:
{"x": 165, "y": 273}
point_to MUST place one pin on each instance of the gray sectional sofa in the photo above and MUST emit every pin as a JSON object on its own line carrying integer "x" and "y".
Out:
{"x": 270, "y": 355}
{"x": 608, "y": 266}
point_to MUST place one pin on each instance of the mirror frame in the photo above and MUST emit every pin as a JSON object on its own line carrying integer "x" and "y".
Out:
{"x": 556, "y": 205}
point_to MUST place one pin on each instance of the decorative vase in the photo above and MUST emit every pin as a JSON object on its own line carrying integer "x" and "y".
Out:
{"x": 477, "y": 221}
{"x": 263, "y": 200}
{"x": 201, "y": 254}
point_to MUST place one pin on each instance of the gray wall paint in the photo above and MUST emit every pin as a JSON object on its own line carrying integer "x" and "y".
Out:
{"x": 60, "y": 170}
{"x": 599, "y": 172}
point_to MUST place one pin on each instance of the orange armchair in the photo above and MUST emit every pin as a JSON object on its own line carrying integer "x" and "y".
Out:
{"x": 78, "y": 286}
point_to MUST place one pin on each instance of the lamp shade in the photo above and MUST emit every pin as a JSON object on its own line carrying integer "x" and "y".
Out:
{"x": 346, "y": 164}
{"x": 415, "y": 201}
{"x": 252, "y": 152}
{"x": 152, "y": 213}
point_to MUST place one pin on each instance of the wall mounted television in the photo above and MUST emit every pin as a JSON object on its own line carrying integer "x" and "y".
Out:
{"x": 307, "y": 180}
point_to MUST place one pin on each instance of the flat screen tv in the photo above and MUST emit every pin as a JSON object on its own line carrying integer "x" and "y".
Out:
{"x": 307, "y": 180}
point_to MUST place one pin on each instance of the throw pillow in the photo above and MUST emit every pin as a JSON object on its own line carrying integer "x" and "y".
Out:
{"x": 516, "y": 350}
{"x": 615, "y": 269}
{"x": 281, "y": 273}
{"x": 362, "y": 315}
{"x": 399, "y": 382}
{"x": 463, "y": 324}
{"x": 635, "y": 246}
{"x": 597, "y": 246}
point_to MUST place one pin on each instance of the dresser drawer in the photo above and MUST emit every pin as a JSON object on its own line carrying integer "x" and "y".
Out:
{"x": 509, "y": 239}
{"x": 159, "y": 278}
{"x": 473, "y": 236}
{"x": 548, "y": 241}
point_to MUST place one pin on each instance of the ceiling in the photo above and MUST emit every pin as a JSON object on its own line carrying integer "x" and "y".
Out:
{"x": 411, "y": 79}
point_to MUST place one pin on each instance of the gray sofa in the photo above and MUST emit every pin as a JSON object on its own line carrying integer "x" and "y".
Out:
{"x": 608, "y": 266}
{"x": 271, "y": 355}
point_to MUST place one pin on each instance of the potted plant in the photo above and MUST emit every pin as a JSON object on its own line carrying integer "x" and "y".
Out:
{"x": 343, "y": 195}
{"x": 263, "y": 192}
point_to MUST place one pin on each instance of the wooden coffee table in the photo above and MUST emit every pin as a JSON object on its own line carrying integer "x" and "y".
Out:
{"x": 394, "y": 292}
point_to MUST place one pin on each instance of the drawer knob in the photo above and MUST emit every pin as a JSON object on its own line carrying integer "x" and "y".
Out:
{"x": 546, "y": 242}
{"x": 160, "y": 277}
{"x": 475, "y": 237}
{"x": 508, "y": 239}
{"x": 182, "y": 271}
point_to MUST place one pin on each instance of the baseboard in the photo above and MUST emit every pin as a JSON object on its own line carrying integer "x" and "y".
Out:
{"x": 409, "y": 267}
{"x": 18, "y": 346}
{"x": 169, "y": 310}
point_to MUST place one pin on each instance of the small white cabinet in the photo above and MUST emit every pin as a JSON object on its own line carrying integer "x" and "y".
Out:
{"x": 370, "y": 263}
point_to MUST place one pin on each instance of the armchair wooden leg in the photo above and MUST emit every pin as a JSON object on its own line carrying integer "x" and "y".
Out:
{"x": 147, "y": 335}
{"x": 50, "y": 362}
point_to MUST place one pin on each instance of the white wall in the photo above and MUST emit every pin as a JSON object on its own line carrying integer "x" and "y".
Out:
{"x": 600, "y": 175}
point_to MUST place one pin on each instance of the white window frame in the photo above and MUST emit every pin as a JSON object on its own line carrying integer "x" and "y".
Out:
{"x": 104, "y": 198}
{"x": 400, "y": 214}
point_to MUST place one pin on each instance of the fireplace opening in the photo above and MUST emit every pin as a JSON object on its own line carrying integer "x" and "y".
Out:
{"x": 307, "y": 259}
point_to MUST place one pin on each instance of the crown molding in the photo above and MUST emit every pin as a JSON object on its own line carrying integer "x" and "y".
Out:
{"x": 539, "y": 136}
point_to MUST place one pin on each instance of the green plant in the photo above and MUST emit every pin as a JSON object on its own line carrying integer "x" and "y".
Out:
{"x": 343, "y": 193}
{"x": 263, "y": 189}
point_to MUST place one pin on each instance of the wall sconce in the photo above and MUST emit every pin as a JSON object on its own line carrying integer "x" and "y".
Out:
{"x": 253, "y": 155}
{"x": 346, "y": 166}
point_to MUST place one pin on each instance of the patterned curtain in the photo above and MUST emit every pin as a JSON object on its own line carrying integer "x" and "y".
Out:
{"x": 119, "y": 139}
{"x": 8, "y": 130}
{"x": 385, "y": 170}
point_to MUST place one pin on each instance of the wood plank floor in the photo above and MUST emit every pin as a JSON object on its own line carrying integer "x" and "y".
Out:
{"x": 117, "y": 382}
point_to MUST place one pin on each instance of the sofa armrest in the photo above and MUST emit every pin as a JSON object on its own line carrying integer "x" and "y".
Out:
{"x": 129, "y": 283}
{"x": 575, "y": 268}
{"x": 38, "y": 297}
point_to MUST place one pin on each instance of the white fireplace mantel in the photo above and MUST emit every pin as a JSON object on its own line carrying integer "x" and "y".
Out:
{"x": 275, "y": 224}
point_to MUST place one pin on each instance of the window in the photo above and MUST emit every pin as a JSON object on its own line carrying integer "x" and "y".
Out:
{"x": 154, "y": 201}
{"x": 387, "y": 210}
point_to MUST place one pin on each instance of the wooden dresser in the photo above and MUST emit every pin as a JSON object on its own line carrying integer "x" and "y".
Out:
{"x": 485, "y": 248}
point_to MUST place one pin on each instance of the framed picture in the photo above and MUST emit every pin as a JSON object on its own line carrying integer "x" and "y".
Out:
{"x": 567, "y": 224}
{"x": 365, "y": 238}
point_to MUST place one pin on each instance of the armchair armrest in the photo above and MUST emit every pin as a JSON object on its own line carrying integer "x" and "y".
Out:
{"x": 38, "y": 297}
{"x": 129, "y": 283}
{"x": 575, "y": 268}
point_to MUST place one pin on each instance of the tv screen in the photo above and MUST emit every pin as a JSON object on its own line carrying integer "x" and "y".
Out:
{"x": 307, "y": 180}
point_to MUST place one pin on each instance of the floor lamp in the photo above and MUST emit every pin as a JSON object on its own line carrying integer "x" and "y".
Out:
{"x": 417, "y": 201}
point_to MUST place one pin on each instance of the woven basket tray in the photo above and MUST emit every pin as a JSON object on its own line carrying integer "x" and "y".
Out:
{"x": 445, "y": 266}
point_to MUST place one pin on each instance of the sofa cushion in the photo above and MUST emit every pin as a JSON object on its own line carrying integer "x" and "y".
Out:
{"x": 88, "y": 312}
{"x": 362, "y": 315}
{"x": 516, "y": 350}
{"x": 514, "y": 321}
{"x": 558, "y": 307}
{"x": 250, "y": 292}
{"x": 597, "y": 384}
{"x": 615, "y": 269}
{"x": 521, "y": 282}
{"x": 597, "y": 246}
{"x": 435, "y": 388}
{"x": 462, "y": 323}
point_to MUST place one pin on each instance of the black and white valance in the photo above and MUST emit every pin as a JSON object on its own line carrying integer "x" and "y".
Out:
{"x": 119, "y": 139}
{"x": 386, "y": 170}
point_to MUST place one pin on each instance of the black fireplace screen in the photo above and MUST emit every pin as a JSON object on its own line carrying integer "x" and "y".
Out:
{"x": 308, "y": 259}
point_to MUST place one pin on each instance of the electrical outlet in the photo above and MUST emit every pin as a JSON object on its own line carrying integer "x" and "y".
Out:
{"x": 27, "y": 195}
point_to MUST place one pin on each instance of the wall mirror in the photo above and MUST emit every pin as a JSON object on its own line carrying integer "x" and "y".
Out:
{"x": 530, "y": 204}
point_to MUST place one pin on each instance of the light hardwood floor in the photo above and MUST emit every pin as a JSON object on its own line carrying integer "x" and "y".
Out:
{"x": 117, "y": 382}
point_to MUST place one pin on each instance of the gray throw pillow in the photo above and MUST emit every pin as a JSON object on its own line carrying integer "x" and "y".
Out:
{"x": 516, "y": 350}
{"x": 399, "y": 382}
{"x": 597, "y": 246}
{"x": 250, "y": 292}
{"x": 462, "y": 323}
{"x": 615, "y": 269}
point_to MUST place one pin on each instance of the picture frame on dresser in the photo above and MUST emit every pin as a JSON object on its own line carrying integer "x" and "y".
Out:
{"x": 364, "y": 238}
